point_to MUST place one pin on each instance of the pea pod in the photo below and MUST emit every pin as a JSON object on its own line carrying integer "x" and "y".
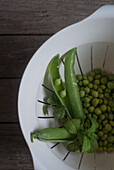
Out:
{"x": 71, "y": 85}
{"x": 53, "y": 135}
{"x": 58, "y": 86}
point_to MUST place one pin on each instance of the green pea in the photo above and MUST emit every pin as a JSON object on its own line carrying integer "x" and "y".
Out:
{"x": 90, "y": 97}
{"x": 85, "y": 111}
{"x": 86, "y": 99}
{"x": 57, "y": 82}
{"x": 87, "y": 90}
{"x": 80, "y": 83}
{"x": 84, "y": 77}
{"x": 102, "y": 117}
{"x": 90, "y": 85}
{"x": 92, "y": 73}
{"x": 103, "y": 108}
{"x": 105, "y": 142}
{"x": 95, "y": 102}
{"x": 95, "y": 87}
{"x": 107, "y": 95}
{"x": 100, "y": 101}
{"x": 100, "y": 90}
{"x": 91, "y": 109}
{"x": 111, "y": 103}
{"x": 108, "y": 108}
{"x": 106, "y": 115}
{"x": 111, "y": 77}
{"x": 112, "y": 123}
{"x": 103, "y": 87}
{"x": 107, "y": 90}
{"x": 101, "y": 96}
{"x": 100, "y": 133}
{"x": 86, "y": 105}
{"x": 98, "y": 111}
{"x": 95, "y": 116}
{"x": 97, "y": 82}
{"x": 104, "y": 80}
{"x": 100, "y": 126}
{"x": 104, "y": 136}
{"x": 82, "y": 94}
{"x": 110, "y": 85}
{"x": 103, "y": 73}
{"x": 110, "y": 149}
{"x": 63, "y": 93}
{"x": 98, "y": 76}
{"x": 105, "y": 149}
{"x": 105, "y": 101}
{"x": 108, "y": 127}
{"x": 90, "y": 78}
{"x": 111, "y": 116}
{"x": 89, "y": 116}
{"x": 105, "y": 122}
{"x": 79, "y": 77}
{"x": 95, "y": 94}
{"x": 85, "y": 82}
{"x": 111, "y": 139}
{"x": 98, "y": 71}
{"x": 112, "y": 131}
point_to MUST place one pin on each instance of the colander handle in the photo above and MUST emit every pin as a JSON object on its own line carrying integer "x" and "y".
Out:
{"x": 106, "y": 11}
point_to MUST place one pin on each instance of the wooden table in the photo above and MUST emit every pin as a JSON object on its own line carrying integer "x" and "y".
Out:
{"x": 24, "y": 26}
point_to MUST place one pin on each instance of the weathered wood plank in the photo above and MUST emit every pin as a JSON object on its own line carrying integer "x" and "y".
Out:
{"x": 40, "y": 16}
{"x": 14, "y": 154}
{"x": 16, "y": 51}
{"x": 8, "y": 100}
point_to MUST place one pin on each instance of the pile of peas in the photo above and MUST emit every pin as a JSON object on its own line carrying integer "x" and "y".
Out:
{"x": 97, "y": 96}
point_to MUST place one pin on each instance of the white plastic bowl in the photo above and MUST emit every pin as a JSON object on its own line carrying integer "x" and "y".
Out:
{"x": 96, "y": 31}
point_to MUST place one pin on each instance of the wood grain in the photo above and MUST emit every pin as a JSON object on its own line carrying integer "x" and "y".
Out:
{"x": 8, "y": 100}
{"x": 14, "y": 154}
{"x": 44, "y": 17}
{"x": 15, "y": 53}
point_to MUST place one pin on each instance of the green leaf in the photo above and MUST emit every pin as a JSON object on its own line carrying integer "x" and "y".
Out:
{"x": 70, "y": 127}
{"x": 80, "y": 136}
{"x": 56, "y": 100}
{"x": 51, "y": 101}
{"x": 90, "y": 132}
{"x": 77, "y": 123}
{"x": 94, "y": 145}
{"x": 74, "y": 146}
{"x": 45, "y": 109}
{"x": 86, "y": 145}
{"x": 59, "y": 113}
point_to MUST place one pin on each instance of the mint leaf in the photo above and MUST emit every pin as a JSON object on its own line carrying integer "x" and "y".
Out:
{"x": 74, "y": 146}
{"x": 59, "y": 113}
{"x": 90, "y": 132}
{"x": 77, "y": 123}
{"x": 70, "y": 127}
{"x": 45, "y": 109}
{"x": 94, "y": 145}
{"x": 80, "y": 136}
{"x": 51, "y": 101}
{"x": 86, "y": 144}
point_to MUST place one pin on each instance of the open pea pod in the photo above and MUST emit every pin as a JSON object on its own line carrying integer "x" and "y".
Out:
{"x": 53, "y": 135}
{"x": 58, "y": 86}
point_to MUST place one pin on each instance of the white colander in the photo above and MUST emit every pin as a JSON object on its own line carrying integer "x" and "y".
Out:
{"x": 94, "y": 39}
